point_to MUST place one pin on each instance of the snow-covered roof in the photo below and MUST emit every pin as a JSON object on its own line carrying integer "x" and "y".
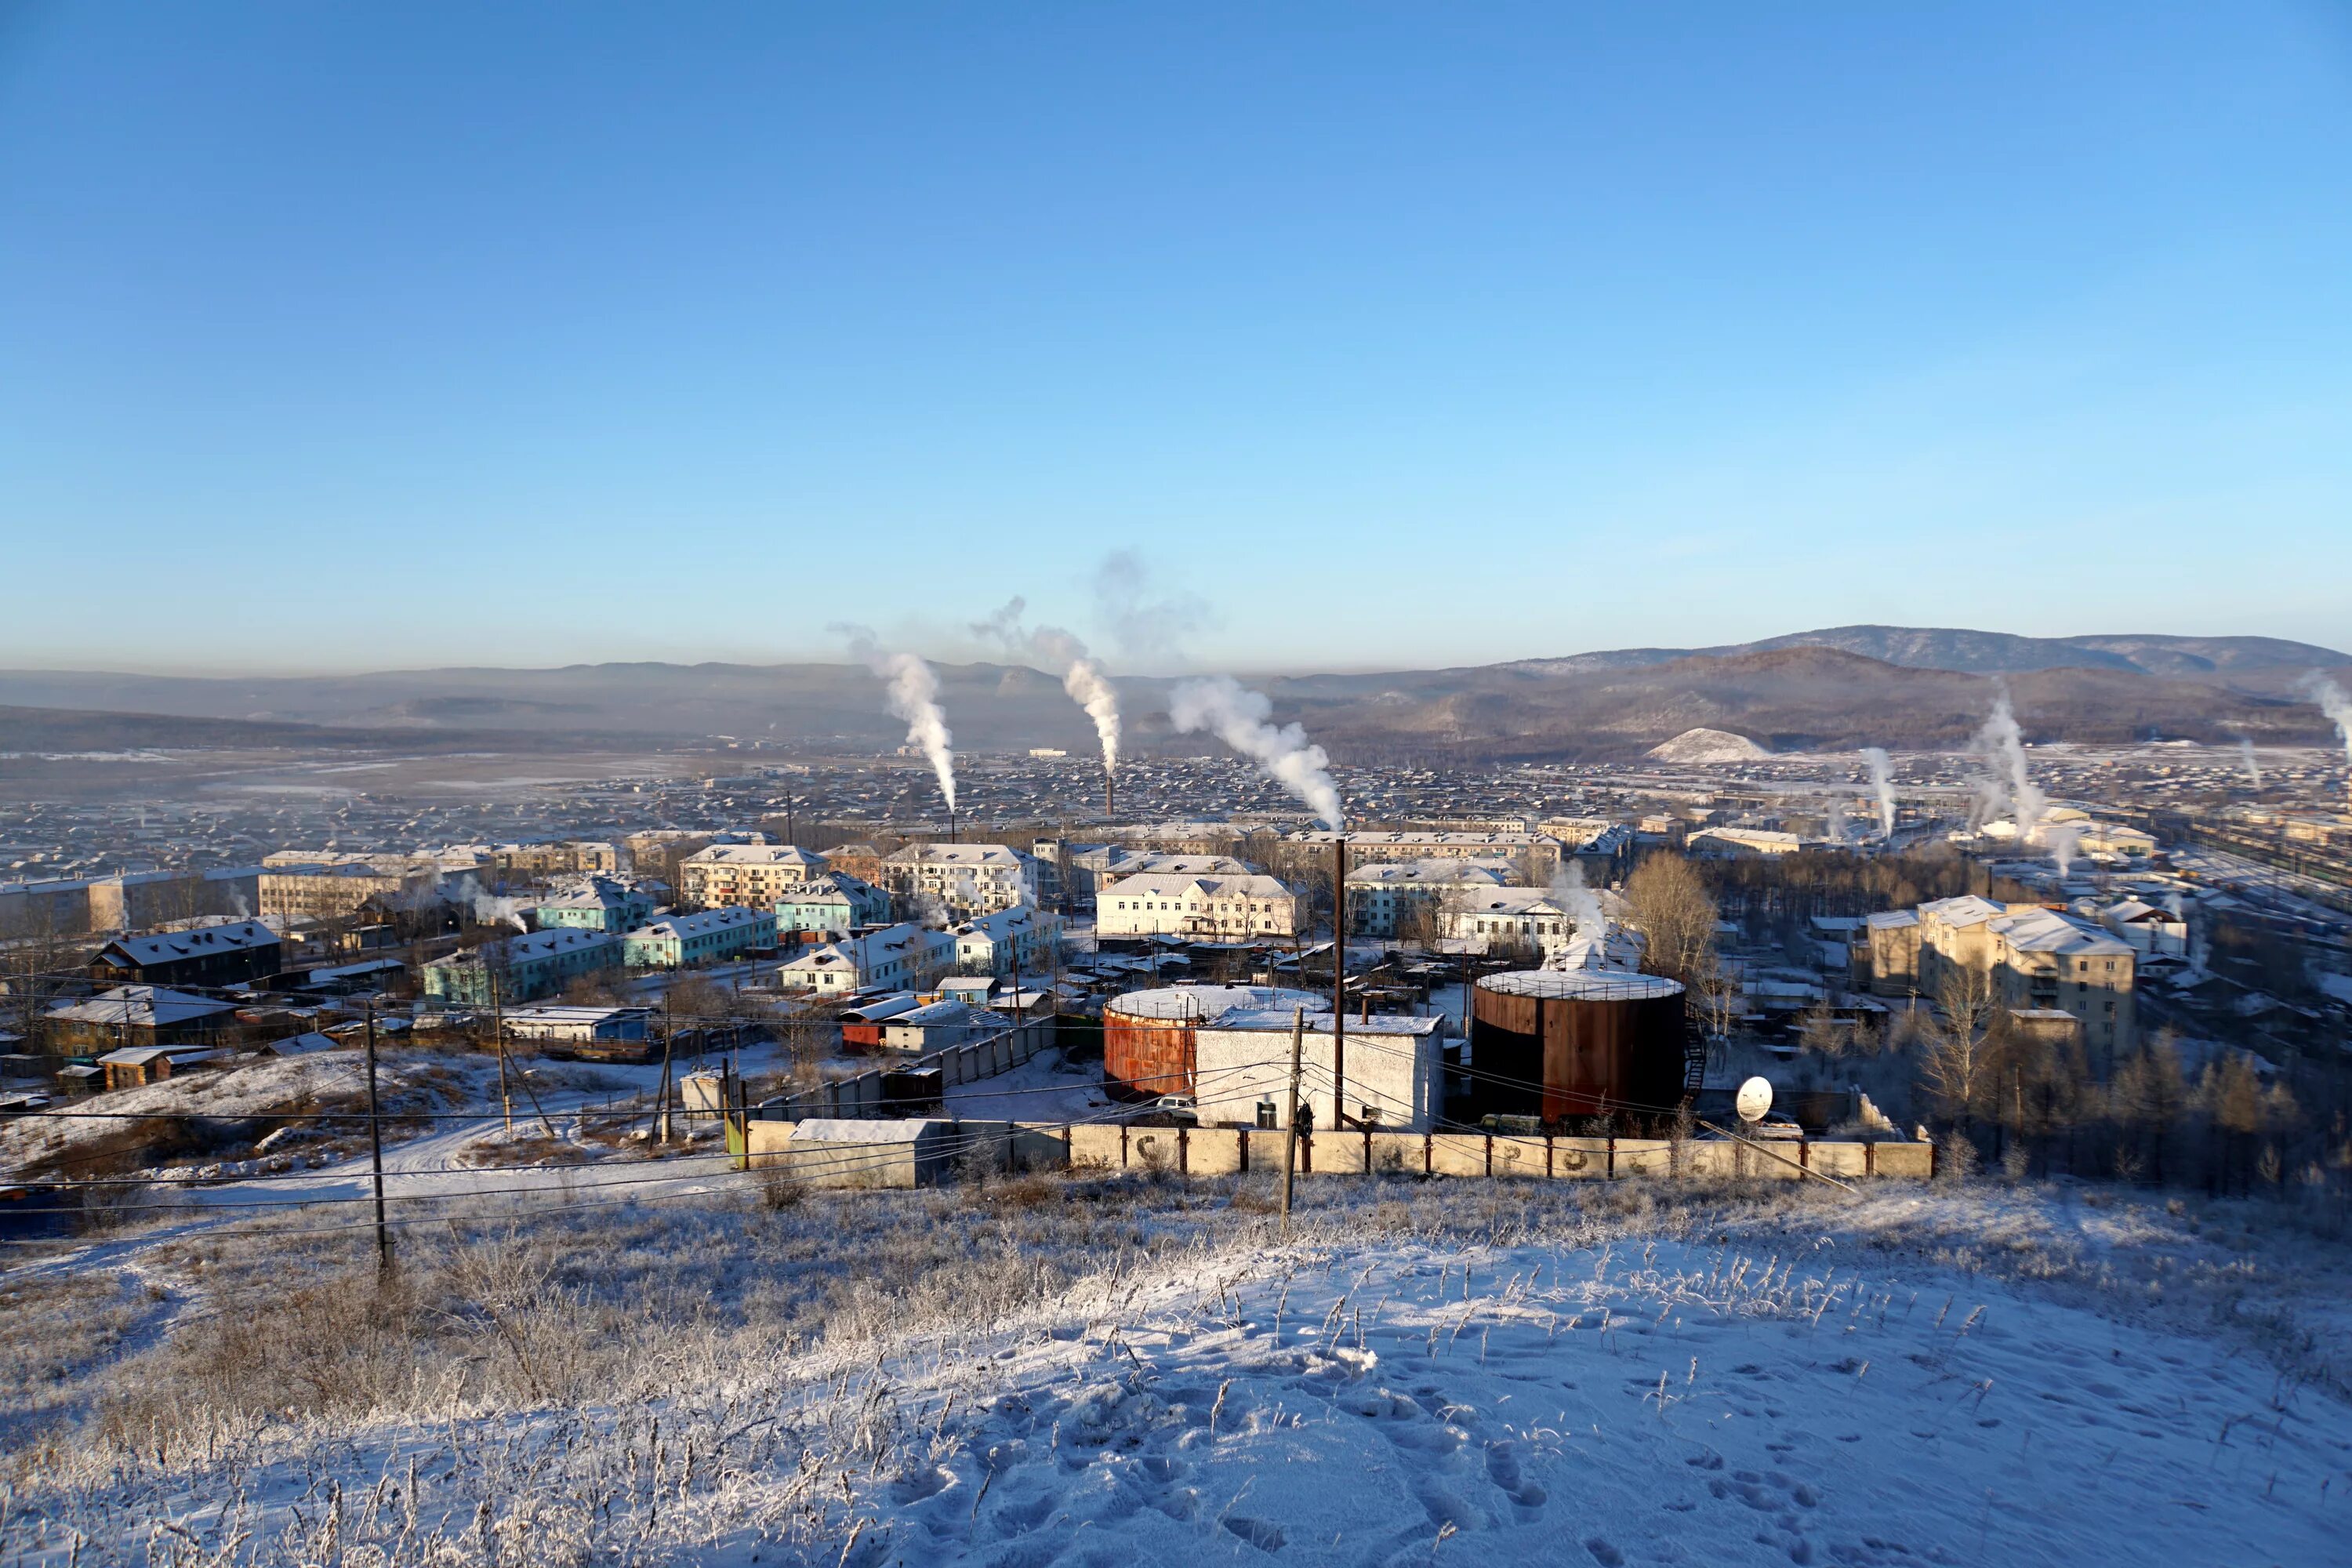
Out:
{"x": 754, "y": 855}
{"x": 2047, "y": 930}
{"x": 1156, "y": 885}
{"x": 1433, "y": 873}
{"x": 708, "y": 921}
{"x": 142, "y": 1006}
{"x": 1590, "y": 984}
{"x": 988, "y": 855}
{"x": 1968, "y": 910}
{"x": 530, "y": 946}
{"x": 229, "y": 936}
{"x": 1208, "y": 1002}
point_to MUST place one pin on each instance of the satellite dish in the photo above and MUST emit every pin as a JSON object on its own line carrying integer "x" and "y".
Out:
{"x": 1754, "y": 1100}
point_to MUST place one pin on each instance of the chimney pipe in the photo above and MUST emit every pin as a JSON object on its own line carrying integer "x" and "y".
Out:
{"x": 1339, "y": 981}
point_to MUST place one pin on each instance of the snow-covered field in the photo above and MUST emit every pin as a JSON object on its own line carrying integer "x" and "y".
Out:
{"x": 1426, "y": 1373}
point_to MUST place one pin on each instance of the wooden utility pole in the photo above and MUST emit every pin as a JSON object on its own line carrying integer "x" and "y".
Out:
{"x": 375, "y": 1152}
{"x": 667, "y": 1035}
{"x": 499, "y": 1035}
{"x": 1290, "y": 1116}
{"x": 1338, "y": 982}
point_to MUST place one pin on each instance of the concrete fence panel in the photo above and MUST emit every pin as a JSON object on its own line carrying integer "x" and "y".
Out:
{"x": 1265, "y": 1150}
{"x": 1846, "y": 1162}
{"x": 1457, "y": 1154}
{"x": 1097, "y": 1148}
{"x": 1644, "y": 1157}
{"x": 1914, "y": 1161}
{"x": 1516, "y": 1156}
{"x": 1039, "y": 1146}
{"x": 1397, "y": 1152}
{"x": 1580, "y": 1159}
{"x": 1214, "y": 1151}
{"x": 766, "y": 1143}
{"x": 1339, "y": 1153}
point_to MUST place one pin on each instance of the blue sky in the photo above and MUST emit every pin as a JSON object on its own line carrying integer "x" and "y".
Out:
{"x": 338, "y": 337}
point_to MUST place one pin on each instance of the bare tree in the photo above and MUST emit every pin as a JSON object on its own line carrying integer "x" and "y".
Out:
{"x": 1668, "y": 903}
{"x": 1961, "y": 1039}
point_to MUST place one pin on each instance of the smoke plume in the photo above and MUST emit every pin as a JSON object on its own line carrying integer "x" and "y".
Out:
{"x": 2334, "y": 704}
{"x": 1149, "y": 625}
{"x": 2000, "y": 745}
{"x": 1238, "y": 717}
{"x": 914, "y": 697}
{"x": 1882, "y": 784}
{"x": 1586, "y": 915}
{"x": 2062, "y": 841}
{"x": 2246, "y": 755}
{"x": 1064, "y": 653}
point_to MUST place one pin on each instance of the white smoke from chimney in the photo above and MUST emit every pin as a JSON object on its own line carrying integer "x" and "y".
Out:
{"x": 2246, "y": 755}
{"x": 1587, "y": 918}
{"x": 914, "y": 699}
{"x": 2062, "y": 840}
{"x": 1239, "y": 717}
{"x": 1882, "y": 784}
{"x": 2334, "y": 704}
{"x": 1067, "y": 656}
{"x": 1833, "y": 821}
{"x": 2005, "y": 786}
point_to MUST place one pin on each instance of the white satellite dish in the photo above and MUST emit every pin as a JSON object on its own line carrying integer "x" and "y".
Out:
{"x": 1754, "y": 1100}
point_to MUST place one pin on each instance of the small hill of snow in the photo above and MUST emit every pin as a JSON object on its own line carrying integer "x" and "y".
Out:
{"x": 1707, "y": 746}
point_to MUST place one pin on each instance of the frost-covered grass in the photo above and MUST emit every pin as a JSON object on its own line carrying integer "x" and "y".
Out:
{"x": 1050, "y": 1369}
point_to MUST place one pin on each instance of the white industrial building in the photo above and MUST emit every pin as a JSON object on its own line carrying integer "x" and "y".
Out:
{"x": 1243, "y": 1069}
{"x": 1740, "y": 843}
{"x": 1168, "y": 904}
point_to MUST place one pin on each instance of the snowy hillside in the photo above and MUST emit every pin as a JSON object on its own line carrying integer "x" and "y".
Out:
{"x": 1430, "y": 1372}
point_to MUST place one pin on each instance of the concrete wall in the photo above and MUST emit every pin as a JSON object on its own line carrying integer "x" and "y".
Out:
{"x": 1224, "y": 1151}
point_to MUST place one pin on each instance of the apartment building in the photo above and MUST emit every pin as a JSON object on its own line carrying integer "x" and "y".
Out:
{"x": 1225, "y": 908}
{"x": 750, "y": 876}
{"x": 1507, "y": 920}
{"x": 958, "y": 882}
{"x": 904, "y": 956}
{"x": 679, "y": 942}
{"x": 522, "y": 968}
{"x": 1018, "y": 939}
{"x": 1397, "y": 899}
{"x": 832, "y": 906}
{"x": 597, "y": 903}
{"x": 1537, "y": 855}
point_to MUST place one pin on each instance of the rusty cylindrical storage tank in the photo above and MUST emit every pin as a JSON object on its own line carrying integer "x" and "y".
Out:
{"x": 1564, "y": 1044}
{"x": 1148, "y": 1048}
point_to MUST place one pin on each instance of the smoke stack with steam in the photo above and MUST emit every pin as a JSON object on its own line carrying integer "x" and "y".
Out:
{"x": 1882, "y": 784}
{"x": 1239, "y": 717}
{"x": 1082, "y": 678}
{"x": 2336, "y": 706}
{"x": 914, "y": 697}
{"x": 2246, "y": 755}
{"x": 2000, "y": 746}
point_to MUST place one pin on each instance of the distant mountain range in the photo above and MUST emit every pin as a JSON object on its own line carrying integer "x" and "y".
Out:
{"x": 1846, "y": 686}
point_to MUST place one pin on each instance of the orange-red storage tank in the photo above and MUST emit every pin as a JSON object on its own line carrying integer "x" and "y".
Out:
{"x": 1149, "y": 1046}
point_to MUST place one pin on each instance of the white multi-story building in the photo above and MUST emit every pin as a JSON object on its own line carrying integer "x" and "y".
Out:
{"x": 753, "y": 876}
{"x": 957, "y": 881}
{"x": 1157, "y": 904}
{"x": 1090, "y": 865}
{"x": 1243, "y": 1069}
{"x": 1018, "y": 939}
{"x": 1538, "y": 854}
{"x": 905, "y": 956}
{"x": 1399, "y": 898}
{"x": 1502, "y": 920}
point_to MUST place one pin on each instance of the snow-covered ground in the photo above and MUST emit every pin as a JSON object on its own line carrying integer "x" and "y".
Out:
{"x": 1917, "y": 1377}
